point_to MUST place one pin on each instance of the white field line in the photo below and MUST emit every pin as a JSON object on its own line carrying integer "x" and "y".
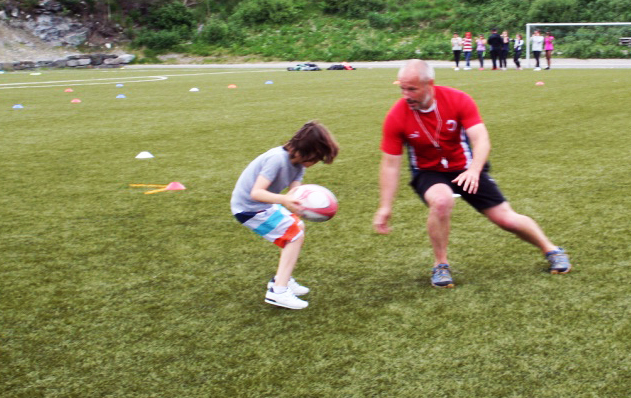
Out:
{"x": 109, "y": 80}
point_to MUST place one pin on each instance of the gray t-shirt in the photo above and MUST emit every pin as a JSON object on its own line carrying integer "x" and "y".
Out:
{"x": 537, "y": 43}
{"x": 274, "y": 165}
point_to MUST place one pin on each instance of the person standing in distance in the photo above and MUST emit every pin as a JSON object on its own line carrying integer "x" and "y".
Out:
{"x": 467, "y": 47}
{"x": 536, "y": 41}
{"x": 505, "y": 50}
{"x": 549, "y": 48}
{"x": 495, "y": 41}
{"x": 434, "y": 122}
{"x": 480, "y": 46}
{"x": 518, "y": 44}
{"x": 456, "y": 48}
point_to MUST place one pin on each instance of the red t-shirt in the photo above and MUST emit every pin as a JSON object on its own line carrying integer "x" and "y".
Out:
{"x": 445, "y": 149}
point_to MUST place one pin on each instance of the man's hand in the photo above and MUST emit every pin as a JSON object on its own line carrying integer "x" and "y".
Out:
{"x": 468, "y": 180}
{"x": 380, "y": 221}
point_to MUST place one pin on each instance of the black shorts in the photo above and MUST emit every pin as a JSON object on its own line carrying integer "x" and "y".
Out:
{"x": 488, "y": 194}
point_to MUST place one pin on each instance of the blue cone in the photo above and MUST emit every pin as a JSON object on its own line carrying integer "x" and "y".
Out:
{"x": 18, "y": 106}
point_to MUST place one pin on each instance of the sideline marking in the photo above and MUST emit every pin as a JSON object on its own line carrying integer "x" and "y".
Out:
{"x": 85, "y": 82}
{"x": 110, "y": 80}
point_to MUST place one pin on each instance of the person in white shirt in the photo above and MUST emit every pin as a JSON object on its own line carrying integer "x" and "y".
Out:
{"x": 456, "y": 47}
{"x": 536, "y": 41}
{"x": 518, "y": 43}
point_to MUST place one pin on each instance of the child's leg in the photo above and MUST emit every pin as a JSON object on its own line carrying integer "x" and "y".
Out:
{"x": 288, "y": 258}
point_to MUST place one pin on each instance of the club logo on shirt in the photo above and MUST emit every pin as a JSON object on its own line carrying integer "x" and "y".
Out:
{"x": 414, "y": 135}
{"x": 452, "y": 125}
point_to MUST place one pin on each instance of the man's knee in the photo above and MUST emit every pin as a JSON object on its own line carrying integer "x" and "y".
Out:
{"x": 440, "y": 200}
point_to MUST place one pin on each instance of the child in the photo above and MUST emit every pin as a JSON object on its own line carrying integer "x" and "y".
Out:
{"x": 258, "y": 204}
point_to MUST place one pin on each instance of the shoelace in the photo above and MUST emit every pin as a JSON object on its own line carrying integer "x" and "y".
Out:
{"x": 441, "y": 272}
{"x": 558, "y": 259}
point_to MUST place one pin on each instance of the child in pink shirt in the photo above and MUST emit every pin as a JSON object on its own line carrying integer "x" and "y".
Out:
{"x": 549, "y": 47}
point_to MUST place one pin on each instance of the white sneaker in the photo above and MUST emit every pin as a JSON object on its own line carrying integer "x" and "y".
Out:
{"x": 295, "y": 287}
{"x": 467, "y": 68}
{"x": 537, "y": 69}
{"x": 456, "y": 68}
{"x": 287, "y": 299}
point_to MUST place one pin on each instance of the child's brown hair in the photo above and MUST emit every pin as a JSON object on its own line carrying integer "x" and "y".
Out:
{"x": 313, "y": 143}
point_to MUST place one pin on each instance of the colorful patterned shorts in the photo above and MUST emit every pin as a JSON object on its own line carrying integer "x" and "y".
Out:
{"x": 276, "y": 224}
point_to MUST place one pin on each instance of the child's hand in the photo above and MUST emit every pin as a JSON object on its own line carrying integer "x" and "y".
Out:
{"x": 292, "y": 204}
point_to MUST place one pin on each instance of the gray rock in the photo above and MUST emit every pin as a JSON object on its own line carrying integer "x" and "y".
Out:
{"x": 112, "y": 61}
{"x": 126, "y": 58}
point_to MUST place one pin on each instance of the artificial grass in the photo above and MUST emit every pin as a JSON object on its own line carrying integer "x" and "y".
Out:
{"x": 107, "y": 291}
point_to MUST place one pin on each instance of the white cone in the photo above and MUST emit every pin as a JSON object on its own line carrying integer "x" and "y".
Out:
{"x": 194, "y": 89}
{"x": 144, "y": 155}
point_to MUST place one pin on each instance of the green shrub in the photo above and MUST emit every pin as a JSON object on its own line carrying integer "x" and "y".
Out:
{"x": 353, "y": 8}
{"x": 162, "y": 40}
{"x": 436, "y": 48}
{"x": 252, "y": 12}
{"x": 215, "y": 31}
{"x": 171, "y": 16}
{"x": 584, "y": 49}
{"x": 200, "y": 48}
{"x": 553, "y": 11}
{"x": 379, "y": 20}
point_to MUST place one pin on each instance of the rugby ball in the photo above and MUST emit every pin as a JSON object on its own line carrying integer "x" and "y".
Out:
{"x": 319, "y": 203}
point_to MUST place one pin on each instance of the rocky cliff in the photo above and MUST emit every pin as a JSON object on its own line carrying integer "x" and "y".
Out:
{"x": 46, "y": 33}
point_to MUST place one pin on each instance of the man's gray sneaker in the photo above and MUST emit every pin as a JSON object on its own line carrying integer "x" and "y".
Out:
{"x": 441, "y": 276}
{"x": 559, "y": 262}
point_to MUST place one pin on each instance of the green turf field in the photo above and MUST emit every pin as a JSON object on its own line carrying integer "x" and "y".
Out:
{"x": 108, "y": 292}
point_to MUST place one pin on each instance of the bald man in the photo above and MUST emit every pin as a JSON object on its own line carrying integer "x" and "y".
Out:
{"x": 448, "y": 147}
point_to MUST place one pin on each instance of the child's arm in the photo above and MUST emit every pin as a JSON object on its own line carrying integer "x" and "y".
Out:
{"x": 260, "y": 193}
{"x": 294, "y": 185}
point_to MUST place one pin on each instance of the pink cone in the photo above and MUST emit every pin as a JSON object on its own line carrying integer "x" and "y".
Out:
{"x": 175, "y": 186}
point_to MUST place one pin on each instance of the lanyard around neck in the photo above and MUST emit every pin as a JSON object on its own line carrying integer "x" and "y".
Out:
{"x": 434, "y": 139}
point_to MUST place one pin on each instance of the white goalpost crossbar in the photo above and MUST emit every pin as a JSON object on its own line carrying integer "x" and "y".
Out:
{"x": 528, "y": 25}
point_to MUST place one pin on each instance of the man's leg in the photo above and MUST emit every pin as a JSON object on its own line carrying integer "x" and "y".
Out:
{"x": 524, "y": 227}
{"x": 440, "y": 201}
{"x": 527, "y": 229}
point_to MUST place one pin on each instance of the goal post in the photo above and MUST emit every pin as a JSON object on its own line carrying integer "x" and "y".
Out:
{"x": 529, "y": 25}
